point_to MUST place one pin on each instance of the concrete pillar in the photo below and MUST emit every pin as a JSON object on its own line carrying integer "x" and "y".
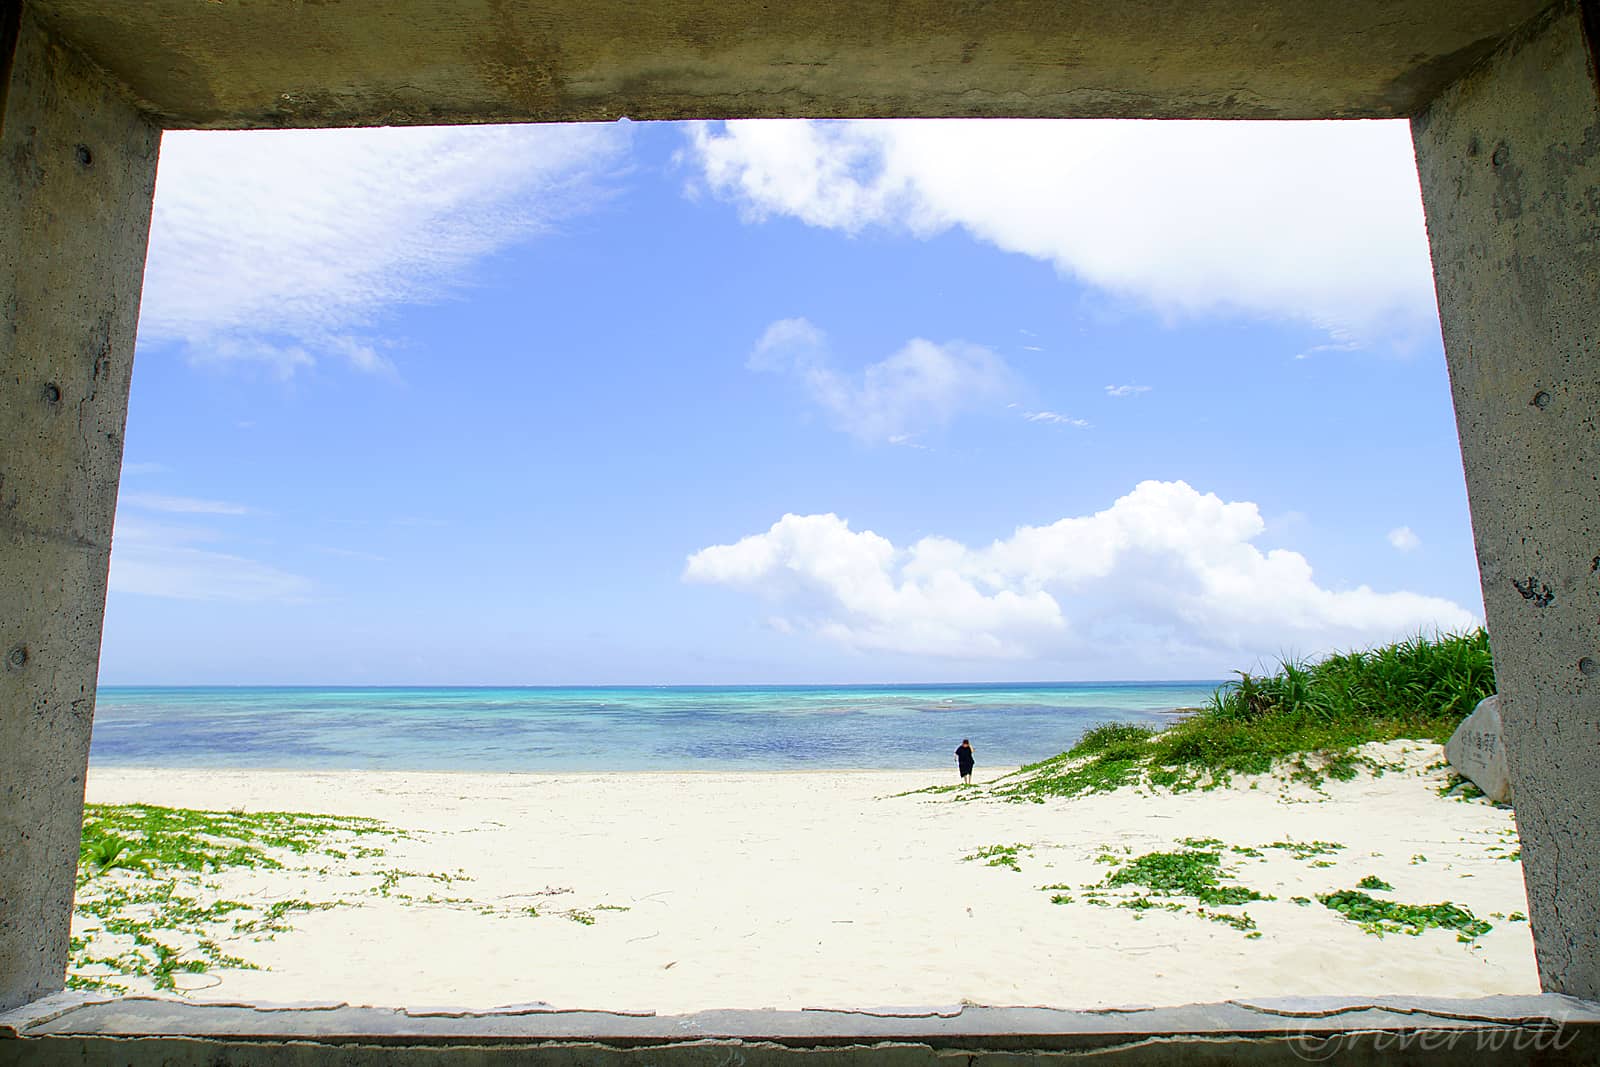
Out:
{"x": 79, "y": 163}
{"x": 1510, "y": 165}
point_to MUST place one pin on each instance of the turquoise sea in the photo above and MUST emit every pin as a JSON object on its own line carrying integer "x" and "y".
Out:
{"x": 615, "y": 729}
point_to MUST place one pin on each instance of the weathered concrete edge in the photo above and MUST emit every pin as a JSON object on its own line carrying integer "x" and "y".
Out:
{"x": 994, "y": 1028}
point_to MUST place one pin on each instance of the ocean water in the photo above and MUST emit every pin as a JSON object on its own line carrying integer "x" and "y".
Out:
{"x": 615, "y": 729}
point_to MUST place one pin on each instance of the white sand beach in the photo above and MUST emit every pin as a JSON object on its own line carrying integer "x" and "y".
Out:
{"x": 672, "y": 892}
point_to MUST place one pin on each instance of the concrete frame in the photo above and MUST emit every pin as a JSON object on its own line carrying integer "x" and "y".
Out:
{"x": 1504, "y": 98}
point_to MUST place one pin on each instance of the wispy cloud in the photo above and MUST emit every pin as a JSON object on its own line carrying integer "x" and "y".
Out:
{"x": 180, "y": 505}
{"x": 184, "y": 563}
{"x": 920, "y": 387}
{"x": 1341, "y": 342}
{"x": 1056, "y": 418}
{"x": 1316, "y": 221}
{"x": 1126, "y": 390}
{"x": 280, "y": 249}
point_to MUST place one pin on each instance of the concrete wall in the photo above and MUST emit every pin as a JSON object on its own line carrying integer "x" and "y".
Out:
{"x": 79, "y": 165}
{"x": 1510, "y": 165}
{"x": 1510, "y": 162}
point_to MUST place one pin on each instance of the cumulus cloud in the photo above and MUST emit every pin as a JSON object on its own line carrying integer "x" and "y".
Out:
{"x": 281, "y": 248}
{"x": 1402, "y": 538}
{"x": 1121, "y": 391}
{"x": 1315, "y": 221}
{"x": 851, "y": 586}
{"x": 1166, "y": 574}
{"x": 922, "y": 386}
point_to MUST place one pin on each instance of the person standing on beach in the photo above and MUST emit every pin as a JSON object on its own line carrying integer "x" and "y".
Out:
{"x": 964, "y": 761}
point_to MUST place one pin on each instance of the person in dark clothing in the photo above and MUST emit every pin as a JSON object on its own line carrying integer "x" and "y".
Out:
{"x": 964, "y": 761}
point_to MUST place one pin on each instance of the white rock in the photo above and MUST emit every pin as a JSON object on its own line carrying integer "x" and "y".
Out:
{"x": 1477, "y": 751}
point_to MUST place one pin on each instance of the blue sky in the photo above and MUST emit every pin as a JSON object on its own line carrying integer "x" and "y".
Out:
{"x": 783, "y": 402}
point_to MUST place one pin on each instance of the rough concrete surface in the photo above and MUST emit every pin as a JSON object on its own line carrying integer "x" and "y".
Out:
{"x": 263, "y": 64}
{"x": 74, "y": 214}
{"x": 73, "y": 1028}
{"x": 1510, "y": 165}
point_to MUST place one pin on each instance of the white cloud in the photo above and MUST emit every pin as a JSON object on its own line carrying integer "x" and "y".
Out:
{"x": 1166, "y": 574}
{"x": 174, "y": 562}
{"x": 1126, "y": 390}
{"x": 920, "y": 387}
{"x": 183, "y": 505}
{"x": 1317, "y": 221}
{"x": 1402, "y": 538}
{"x": 280, "y": 248}
{"x": 857, "y": 595}
{"x": 1055, "y": 418}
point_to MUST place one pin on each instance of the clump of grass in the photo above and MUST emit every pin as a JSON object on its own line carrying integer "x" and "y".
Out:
{"x": 1309, "y": 717}
{"x": 108, "y": 851}
{"x": 1372, "y": 881}
{"x": 1387, "y": 916}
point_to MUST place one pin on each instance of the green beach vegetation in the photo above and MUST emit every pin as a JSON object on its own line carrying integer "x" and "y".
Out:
{"x": 1390, "y": 917}
{"x": 1308, "y": 718}
{"x": 150, "y": 902}
{"x": 999, "y": 856}
{"x": 1194, "y": 878}
{"x": 1189, "y": 878}
{"x": 159, "y": 894}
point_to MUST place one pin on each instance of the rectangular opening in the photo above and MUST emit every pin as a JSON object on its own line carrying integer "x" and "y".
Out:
{"x": 908, "y": 433}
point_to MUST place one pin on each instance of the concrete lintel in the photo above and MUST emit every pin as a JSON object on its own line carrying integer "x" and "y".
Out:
{"x": 407, "y": 62}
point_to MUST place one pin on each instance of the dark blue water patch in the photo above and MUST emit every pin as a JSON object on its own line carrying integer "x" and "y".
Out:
{"x": 593, "y": 729}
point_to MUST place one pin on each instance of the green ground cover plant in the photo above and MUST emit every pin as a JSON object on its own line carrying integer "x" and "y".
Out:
{"x": 151, "y": 904}
{"x": 1387, "y": 916}
{"x": 1306, "y": 718}
{"x": 1187, "y": 872}
{"x": 999, "y": 856}
{"x": 147, "y": 898}
{"x": 1188, "y": 879}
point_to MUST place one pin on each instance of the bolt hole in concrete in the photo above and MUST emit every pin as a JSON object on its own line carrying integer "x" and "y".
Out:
{"x": 1588, "y": 666}
{"x": 17, "y": 658}
{"x": 1541, "y": 400}
{"x": 51, "y": 393}
{"x": 85, "y": 156}
{"x": 486, "y": 847}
